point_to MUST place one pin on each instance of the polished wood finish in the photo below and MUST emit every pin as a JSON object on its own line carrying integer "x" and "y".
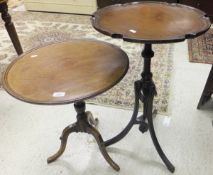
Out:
{"x": 68, "y": 72}
{"x": 86, "y": 124}
{"x": 10, "y": 26}
{"x": 151, "y": 22}
{"x": 65, "y": 72}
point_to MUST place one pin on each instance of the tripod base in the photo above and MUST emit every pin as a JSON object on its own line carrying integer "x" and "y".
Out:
{"x": 145, "y": 123}
{"x": 85, "y": 123}
{"x": 144, "y": 91}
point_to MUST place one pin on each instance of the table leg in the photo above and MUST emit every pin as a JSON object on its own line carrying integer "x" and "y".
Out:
{"x": 207, "y": 91}
{"x": 66, "y": 132}
{"x": 10, "y": 27}
{"x": 144, "y": 91}
{"x": 133, "y": 120}
{"x": 85, "y": 123}
{"x": 148, "y": 105}
{"x": 91, "y": 130}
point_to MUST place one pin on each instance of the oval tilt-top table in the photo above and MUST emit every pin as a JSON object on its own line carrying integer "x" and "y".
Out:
{"x": 68, "y": 72}
{"x": 148, "y": 23}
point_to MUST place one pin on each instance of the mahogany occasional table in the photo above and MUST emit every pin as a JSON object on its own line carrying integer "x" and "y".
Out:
{"x": 149, "y": 23}
{"x": 68, "y": 72}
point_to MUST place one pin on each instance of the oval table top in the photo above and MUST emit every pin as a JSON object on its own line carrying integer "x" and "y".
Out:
{"x": 151, "y": 22}
{"x": 65, "y": 72}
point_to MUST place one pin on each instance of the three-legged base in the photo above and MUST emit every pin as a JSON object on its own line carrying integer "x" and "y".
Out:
{"x": 85, "y": 123}
{"x": 144, "y": 92}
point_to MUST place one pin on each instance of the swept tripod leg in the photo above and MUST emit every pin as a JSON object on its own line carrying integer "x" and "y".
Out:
{"x": 93, "y": 121}
{"x": 66, "y": 132}
{"x": 126, "y": 130}
{"x": 98, "y": 138}
{"x": 148, "y": 112}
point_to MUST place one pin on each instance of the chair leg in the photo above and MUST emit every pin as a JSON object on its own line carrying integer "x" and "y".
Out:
{"x": 10, "y": 27}
{"x": 208, "y": 90}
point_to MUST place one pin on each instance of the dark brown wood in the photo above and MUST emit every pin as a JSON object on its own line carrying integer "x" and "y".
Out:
{"x": 65, "y": 72}
{"x": 207, "y": 91}
{"x": 10, "y": 27}
{"x": 151, "y": 22}
{"x": 205, "y": 5}
{"x": 192, "y": 3}
{"x": 83, "y": 124}
{"x": 144, "y": 91}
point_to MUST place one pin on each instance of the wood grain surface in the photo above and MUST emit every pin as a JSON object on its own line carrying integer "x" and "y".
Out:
{"x": 65, "y": 72}
{"x": 152, "y": 22}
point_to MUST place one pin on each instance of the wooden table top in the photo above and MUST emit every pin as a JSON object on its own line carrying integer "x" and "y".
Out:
{"x": 65, "y": 72}
{"x": 151, "y": 22}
